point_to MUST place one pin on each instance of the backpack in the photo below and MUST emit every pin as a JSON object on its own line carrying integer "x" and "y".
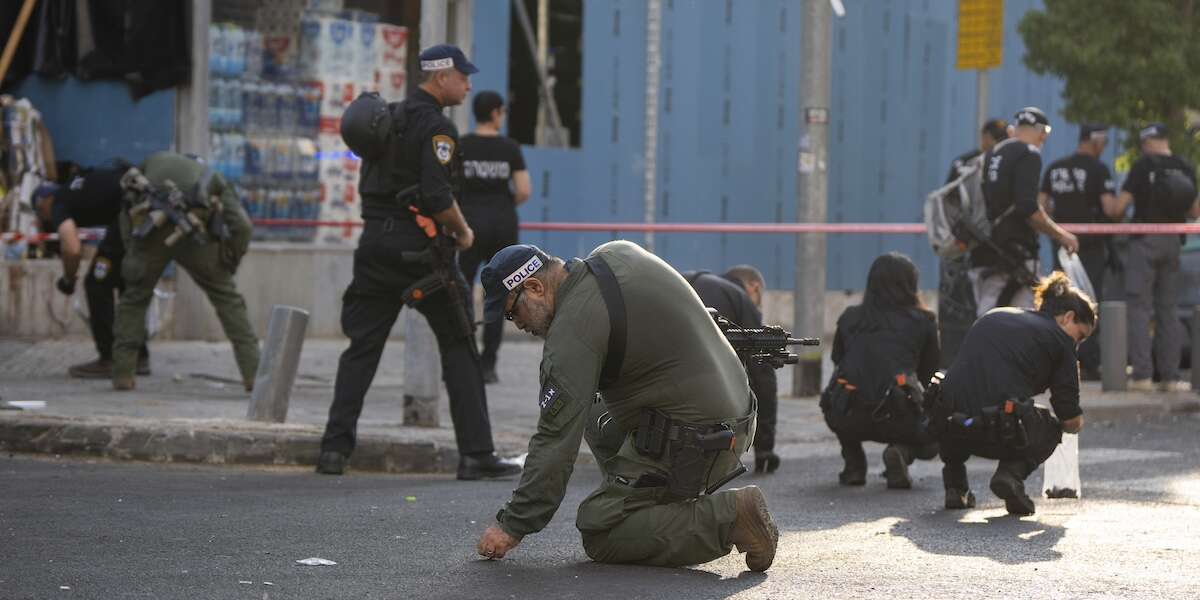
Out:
{"x": 1172, "y": 192}
{"x": 956, "y": 213}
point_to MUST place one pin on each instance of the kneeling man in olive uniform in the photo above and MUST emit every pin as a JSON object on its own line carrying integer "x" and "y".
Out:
{"x": 673, "y": 414}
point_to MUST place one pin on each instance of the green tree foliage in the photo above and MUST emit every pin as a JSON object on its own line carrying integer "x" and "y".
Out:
{"x": 1125, "y": 62}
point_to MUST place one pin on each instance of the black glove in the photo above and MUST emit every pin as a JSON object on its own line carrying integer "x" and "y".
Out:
{"x": 64, "y": 285}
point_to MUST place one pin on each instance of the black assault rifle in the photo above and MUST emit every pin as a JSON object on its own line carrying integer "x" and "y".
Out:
{"x": 762, "y": 345}
{"x": 440, "y": 258}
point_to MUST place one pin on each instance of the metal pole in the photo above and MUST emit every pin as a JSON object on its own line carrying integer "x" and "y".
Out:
{"x": 650, "y": 143}
{"x": 1114, "y": 346}
{"x": 543, "y": 56}
{"x": 277, "y": 368}
{"x": 422, "y": 362}
{"x": 543, "y": 77}
{"x": 981, "y": 97}
{"x": 811, "y": 191}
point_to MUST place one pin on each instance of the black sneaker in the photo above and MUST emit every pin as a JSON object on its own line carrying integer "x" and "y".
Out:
{"x": 489, "y": 375}
{"x": 853, "y": 477}
{"x": 1012, "y": 490}
{"x": 331, "y": 463}
{"x": 765, "y": 462}
{"x": 143, "y": 365}
{"x": 896, "y": 469}
{"x": 958, "y": 499}
{"x": 486, "y": 466}
{"x": 96, "y": 369}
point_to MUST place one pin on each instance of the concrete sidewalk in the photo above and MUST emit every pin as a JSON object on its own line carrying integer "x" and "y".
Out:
{"x": 193, "y": 409}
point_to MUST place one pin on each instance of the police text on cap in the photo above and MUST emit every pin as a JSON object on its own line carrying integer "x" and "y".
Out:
{"x": 437, "y": 65}
{"x": 516, "y": 277}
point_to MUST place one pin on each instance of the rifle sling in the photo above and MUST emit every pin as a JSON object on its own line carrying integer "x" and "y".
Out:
{"x": 610, "y": 292}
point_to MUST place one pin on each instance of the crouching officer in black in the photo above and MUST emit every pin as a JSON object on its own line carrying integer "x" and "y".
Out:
{"x": 408, "y": 208}
{"x": 984, "y": 406}
{"x": 883, "y": 349}
{"x": 91, "y": 199}
{"x": 737, "y": 295}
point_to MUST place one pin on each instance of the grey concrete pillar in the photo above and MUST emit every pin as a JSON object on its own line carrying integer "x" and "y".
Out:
{"x": 277, "y": 367}
{"x": 1114, "y": 346}
{"x": 422, "y": 371}
{"x": 1195, "y": 348}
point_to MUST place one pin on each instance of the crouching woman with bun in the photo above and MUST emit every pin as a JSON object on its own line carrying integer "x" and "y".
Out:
{"x": 984, "y": 407}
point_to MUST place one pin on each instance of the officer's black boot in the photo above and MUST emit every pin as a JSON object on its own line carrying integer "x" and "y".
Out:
{"x": 958, "y": 491}
{"x": 486, "y": 466}
{"x": 331, "y": 463}
{"x": 855, "y": 472}
{"x": 896, "y": 458}
{"x": 765, "y": 461}
{"x": 1009, "y": 484}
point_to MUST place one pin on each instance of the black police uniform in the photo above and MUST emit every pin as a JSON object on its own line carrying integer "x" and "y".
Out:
{"x": 93, "y": 199}
{"x": 871, "y": 347}
{"x": 373, "y": 300}
{"x": 956, "y": 298}
{"x": 1011, "y": 354}
{"x": 731, "y": 300}
{"x": 1010, "y": 188}
{"x": 487, "y": 204}
{"x": 1076, "y": 184}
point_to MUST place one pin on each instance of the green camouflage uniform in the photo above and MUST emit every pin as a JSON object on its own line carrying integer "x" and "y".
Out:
{"x": 677, "y": 361}
{"x": 211, "y": 266}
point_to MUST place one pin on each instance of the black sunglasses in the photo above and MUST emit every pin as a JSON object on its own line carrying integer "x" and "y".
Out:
{"x": 508, "y": 314}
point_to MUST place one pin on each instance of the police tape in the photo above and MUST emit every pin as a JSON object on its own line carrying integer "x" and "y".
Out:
{"x": 757, "y": 228}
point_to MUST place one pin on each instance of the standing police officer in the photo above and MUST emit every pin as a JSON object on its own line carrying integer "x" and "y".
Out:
{"x": 92, "y": 199}
{"x": 1162, "y": 189}
{"x": 1079, "y": 189}
{"x": 985, "y": 405}
{"x": 737, "y": 295}
{"x": 397, "y": 213}
{"x": 210, "y": 258}
{"x": 956, "y": 298}
{"x": 1002, "y": 272}
{"x": 496, "y": 183}
{"x": 673, "y": 414}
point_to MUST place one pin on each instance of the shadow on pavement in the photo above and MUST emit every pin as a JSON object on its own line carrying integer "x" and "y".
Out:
{"x": 1003, "y": 538}
{"x": 506, "y": 578}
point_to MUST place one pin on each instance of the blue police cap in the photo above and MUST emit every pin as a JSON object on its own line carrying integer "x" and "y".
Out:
{"x": 46, "y": 189}
{"x": 1153, "y": 131}
{"x": 445, "y": 56}
{"x": 507, "y": 270}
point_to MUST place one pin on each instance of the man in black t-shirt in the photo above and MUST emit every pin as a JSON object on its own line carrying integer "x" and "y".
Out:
{"x": 1162, "y": 188}
{"x": 956, "y": 298}
{"x": 1078, "y": 189}
{"x": 91, "y": 199}
{"x": 495, "y": 183}
{"x": 1003, "y": 272}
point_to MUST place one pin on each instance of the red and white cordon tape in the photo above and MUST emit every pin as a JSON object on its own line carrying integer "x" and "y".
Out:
{"x": 759, "y": 228}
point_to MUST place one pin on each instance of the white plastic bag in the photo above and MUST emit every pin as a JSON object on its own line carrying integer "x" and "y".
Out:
{"x": 1061, "y": 475}
{"x": 1073, "y": 268}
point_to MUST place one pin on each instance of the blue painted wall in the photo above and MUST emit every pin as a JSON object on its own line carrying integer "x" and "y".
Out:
{"x": 93, "y": 122}
{"x": 727, "y": 134}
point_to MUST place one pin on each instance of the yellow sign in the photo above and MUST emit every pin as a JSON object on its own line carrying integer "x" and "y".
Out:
{"x": 980, "y": 33}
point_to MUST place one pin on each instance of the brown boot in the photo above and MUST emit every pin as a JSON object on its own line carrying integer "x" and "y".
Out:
{"x": 123, "y": 383}
{"x": 96, "y": 369}
{"x": 754, "y": 532}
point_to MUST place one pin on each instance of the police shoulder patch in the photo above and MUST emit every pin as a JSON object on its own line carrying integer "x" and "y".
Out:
{"x": 443, "y": 148}
{"x": 550, "y": 400}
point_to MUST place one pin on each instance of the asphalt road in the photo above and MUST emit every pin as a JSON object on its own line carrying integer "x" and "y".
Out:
{"x": 76, "y": 529}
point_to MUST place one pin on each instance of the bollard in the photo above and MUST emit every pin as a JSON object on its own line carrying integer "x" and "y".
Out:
{"x": 422, "y": 371}
{"x": 1195, "y": 350}
{"x": 1114, "y": 346}
{"x": 277, "y": 367}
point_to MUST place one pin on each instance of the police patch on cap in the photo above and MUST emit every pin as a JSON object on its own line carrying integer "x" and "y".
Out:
{"x": 443, "y": 148}
{"x": 1032, "y": 115}
{"x": 446, "y": 56}
{"x": 1153, "y": 131}
{"x": 515, "y": 278}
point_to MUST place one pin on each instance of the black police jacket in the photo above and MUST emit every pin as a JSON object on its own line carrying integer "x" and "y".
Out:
{"x": 872, "y": 346}
{"x": 425, "y": 155}
{"x": 1014, "y": 353}
{"x": 732, "y": 301}
{"x": 1010, "y": 188}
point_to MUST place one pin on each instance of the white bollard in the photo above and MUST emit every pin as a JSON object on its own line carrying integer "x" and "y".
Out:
{"x": 1114, "y": 345}
{"x": 422, "y": 371}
